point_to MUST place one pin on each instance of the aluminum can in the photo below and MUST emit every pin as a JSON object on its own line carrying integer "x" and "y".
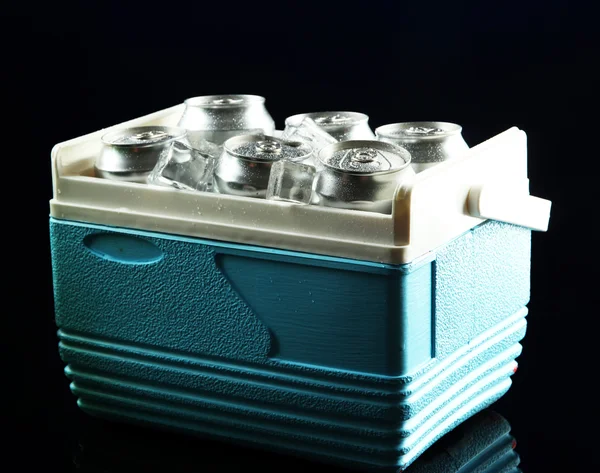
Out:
{"x": 130, "y": 154}
{"x": 217, "y": 118}
{"x": 361, "y": 175}
{"x": 429, "y": 143}
{"x": 343, "y": 126}
{"x": 245, "y": 164}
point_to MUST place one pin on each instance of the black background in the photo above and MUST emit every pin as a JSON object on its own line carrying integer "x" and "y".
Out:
{"x": 75, "y": 67}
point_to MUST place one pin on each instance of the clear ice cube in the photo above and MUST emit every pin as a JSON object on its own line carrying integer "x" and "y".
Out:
{"x": 308, "y": 132}
{"x": 291, "y": 182}
{"x": 183, "y": 167}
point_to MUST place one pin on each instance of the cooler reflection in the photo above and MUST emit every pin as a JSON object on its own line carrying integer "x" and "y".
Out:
{"x": 481, "y": 444}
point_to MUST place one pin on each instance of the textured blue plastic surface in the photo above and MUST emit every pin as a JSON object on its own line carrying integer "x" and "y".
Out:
{"x": 360, "y": 363}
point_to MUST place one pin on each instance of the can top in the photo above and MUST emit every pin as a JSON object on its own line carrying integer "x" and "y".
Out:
{"x": 223, "y": 101}
{"x": 364, "y": 157}
{"x": 266, "y": 148}
{"x": 142, "y": 136}
{"x": 418, "y": 130}
{"x": 329, "y": 120}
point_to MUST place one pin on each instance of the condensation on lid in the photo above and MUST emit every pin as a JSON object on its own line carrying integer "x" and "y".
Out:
{"x": 364, "y": 157}
{"x": 266, "y": 148}
{"x": 329, "y": 120}
{"x": 223, "y": 101}
{"x": 418, "y": 130}
{"x": 142, "y": 136}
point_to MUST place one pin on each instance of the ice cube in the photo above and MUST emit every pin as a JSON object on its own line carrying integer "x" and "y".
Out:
{"x": 207, "y": 148}
{"x": 184, "y": 167}
{"x": 307, "y": 131}
{"x": 291, "y": 182}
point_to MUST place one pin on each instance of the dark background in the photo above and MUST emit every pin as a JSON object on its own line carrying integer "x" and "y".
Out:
{"x": 75, "y": 67}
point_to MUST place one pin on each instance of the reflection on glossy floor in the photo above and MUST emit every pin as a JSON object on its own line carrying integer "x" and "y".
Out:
{"x": 482, "y": 444}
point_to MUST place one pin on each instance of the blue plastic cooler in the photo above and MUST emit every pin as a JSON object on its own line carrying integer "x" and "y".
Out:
{"x": 348, "y": 336}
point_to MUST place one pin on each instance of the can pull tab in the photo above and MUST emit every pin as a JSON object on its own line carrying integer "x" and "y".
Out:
{"x": 510, "y": 204}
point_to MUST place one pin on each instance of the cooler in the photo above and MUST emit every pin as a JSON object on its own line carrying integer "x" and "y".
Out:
{"x": 351, "y": 337}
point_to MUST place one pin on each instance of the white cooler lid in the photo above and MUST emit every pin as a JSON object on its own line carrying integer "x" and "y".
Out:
{"x": 437, "y": 205}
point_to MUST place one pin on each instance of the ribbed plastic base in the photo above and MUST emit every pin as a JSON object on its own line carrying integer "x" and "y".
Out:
{"x": 382, "y": 427}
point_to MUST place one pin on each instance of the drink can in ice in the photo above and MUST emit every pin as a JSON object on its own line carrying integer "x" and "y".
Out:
{"x": 245, "y": 164}
{"x": 217, "y": 118}
{"x": 429, "y": 143}
{"x": 130, "y": 154}
{"x": 361, "y": 175}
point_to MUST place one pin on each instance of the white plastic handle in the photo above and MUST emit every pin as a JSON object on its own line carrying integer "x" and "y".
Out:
{"x": 502, "y": 203}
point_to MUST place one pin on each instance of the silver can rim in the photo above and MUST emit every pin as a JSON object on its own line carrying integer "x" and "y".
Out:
{"x": 350, "y": 144}
{"x": 254, "y": 138}
{"x": 357, "y": 118}
{"x": 391, "y": 130}
{"x": 175, "y": 133}
{"x": 211, "y": 101}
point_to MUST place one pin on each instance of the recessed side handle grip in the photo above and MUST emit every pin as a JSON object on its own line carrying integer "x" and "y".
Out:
{"x": 120, "y": 248}
{"x": 502, "y": 203}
